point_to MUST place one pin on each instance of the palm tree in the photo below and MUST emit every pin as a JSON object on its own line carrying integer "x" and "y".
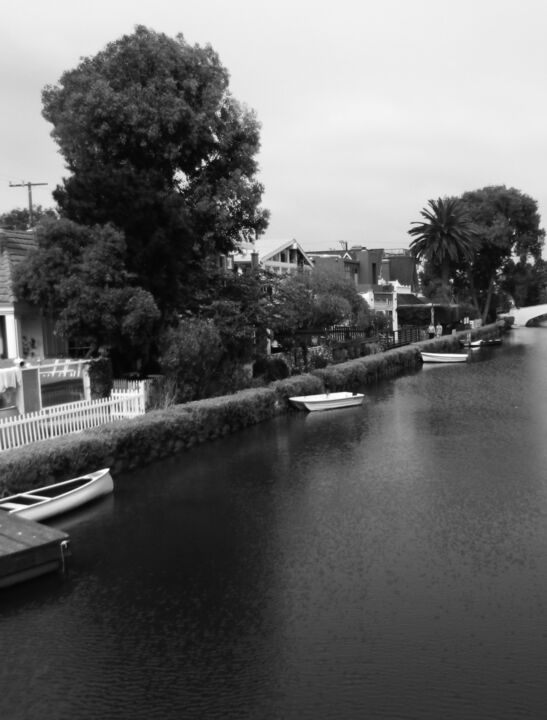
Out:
{"x": 447, "y": 235}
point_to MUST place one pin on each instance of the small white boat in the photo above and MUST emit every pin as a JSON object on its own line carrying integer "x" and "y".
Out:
{"x": 429, "y": 357}
{"x": 45, "y": 502}
{"x": 471, "y": 343}
{"x": 327, "y": 401}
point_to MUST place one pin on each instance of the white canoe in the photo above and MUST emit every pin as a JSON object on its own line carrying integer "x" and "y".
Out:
{"x": 443, "y": 357}
{"x": 45, "y": 502}
{"x": 327, "y": 401}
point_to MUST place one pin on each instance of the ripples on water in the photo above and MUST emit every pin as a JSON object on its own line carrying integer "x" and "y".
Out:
{"x": 380, "y": 562}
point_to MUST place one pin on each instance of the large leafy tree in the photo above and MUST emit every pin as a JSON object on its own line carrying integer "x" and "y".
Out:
{"x": 77, "y": 277}
{"x": 314, "y": 302}
{"x": 155, "y": 144}
{"x": 507, "y": 223}
{"x": 525, "y": 283}
{"x": 444, "y": 238}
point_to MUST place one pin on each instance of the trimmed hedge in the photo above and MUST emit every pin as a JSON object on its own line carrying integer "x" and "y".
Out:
{"x": 128, "y": 444}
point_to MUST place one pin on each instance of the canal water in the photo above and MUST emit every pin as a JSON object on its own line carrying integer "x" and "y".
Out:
{"x": 388, "y": 561}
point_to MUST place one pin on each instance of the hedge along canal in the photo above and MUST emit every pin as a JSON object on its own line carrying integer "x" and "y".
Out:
{"x": 128, "y": 444}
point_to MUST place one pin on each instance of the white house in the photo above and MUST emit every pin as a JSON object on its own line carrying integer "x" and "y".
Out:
{"x": 280, "y": 256}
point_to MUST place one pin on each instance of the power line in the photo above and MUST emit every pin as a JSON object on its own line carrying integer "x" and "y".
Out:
{"x": 29, "y": 186}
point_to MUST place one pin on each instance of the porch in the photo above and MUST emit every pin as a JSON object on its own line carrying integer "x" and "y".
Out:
{"x": 26, "y": 387}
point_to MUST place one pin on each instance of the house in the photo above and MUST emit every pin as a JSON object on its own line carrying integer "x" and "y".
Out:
{"x": 370, "y": 270}
{"x": 384, "y": 278}
{"x": 279, "y": 256}
{"x": 373, "y": 272}
{"x": 24, "y": 331}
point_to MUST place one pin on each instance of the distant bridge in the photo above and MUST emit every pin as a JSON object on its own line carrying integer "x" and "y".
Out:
{"x": 523, "y": 315}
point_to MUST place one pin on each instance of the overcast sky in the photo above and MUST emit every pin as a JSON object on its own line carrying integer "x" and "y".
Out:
{"x": 368, "y": 108}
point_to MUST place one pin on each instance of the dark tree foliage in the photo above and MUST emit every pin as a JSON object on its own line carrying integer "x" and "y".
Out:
{"x": 484, "y": 242}
{"x": 526, "y": 283}
{"x": 445, "y": 236}
{"x": 156, "y": 145}
{"x": 507, "y": 223}
{"x": 77, "y": 276}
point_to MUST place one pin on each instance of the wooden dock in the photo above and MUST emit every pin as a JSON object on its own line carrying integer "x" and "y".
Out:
{"x": 29, "y": 549}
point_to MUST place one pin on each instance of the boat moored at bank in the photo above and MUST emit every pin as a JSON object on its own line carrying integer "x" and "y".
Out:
{"x": 327, "y": 401}
{"x": 471, "y": 343}
{"x": 42, "y": 503}
{"x": 429, "y": 357}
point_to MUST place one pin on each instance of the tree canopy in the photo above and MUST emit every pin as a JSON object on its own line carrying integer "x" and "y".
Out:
{"x": 507, "y": 224}
{"x": 156, "y": 144}
{"x": 445, "y": 236}
{"x": 77, "y": 276}
{"x": 485, "y": 241}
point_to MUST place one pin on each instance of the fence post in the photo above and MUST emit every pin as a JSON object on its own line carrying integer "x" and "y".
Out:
{"x": 86, "y": 382}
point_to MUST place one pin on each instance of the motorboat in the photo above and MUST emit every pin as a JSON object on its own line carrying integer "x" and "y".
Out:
{"x": 45, "y": 502}
{"x": 431, "y": 357}
{"x": 327, "y": 401}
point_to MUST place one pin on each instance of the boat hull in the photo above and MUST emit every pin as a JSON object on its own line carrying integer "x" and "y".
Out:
{"x": 443, "y": 357}
{"x": 327, "y": 401}
{"x": 59, "y": 498}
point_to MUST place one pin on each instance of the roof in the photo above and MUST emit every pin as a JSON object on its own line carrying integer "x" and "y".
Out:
{"x": 266, "y": 248}
{"x": 408, "y": 299}
{"x": 14, "y": 248}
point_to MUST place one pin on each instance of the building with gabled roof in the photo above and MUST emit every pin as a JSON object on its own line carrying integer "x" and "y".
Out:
{"x": 279, "y": 256}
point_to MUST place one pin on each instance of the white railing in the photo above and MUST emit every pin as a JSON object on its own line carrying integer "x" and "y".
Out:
{"x": 69, "y": 418}
{"x": 60, "y": 368}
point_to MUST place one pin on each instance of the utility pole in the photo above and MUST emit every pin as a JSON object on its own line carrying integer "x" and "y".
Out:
{"x": 29, "y": 186}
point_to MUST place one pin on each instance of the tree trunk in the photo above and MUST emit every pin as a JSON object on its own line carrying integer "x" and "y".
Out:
{"x": 445, "y": 277}
{"x": 486, "y": 309}
{"x": 473, "y": 292}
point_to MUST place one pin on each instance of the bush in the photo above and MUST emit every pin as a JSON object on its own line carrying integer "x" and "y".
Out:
{"x": 100, "y": 377}
{"x": 297, "y": 385}
{"x": 319, "y": 357}
{"x": 190, "y": 354}
{"x": 271, "y": 368}
{"x": 162, "y": 393}
{"x": 49, "y": 461}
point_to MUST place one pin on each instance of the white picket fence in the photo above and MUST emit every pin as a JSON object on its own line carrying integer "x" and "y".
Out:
{"x": 70, "y": 418}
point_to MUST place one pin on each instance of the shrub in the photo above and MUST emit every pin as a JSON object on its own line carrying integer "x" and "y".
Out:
{"x": 297, "y": 385}
{"x": 162, "y": 393}
{"x": 319, "y": 357}
{"x": 100, "y": 377}
{"x": 190, "y": 354}
{"x": 53, "y": 460}
{"x": 271, "y": 368}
